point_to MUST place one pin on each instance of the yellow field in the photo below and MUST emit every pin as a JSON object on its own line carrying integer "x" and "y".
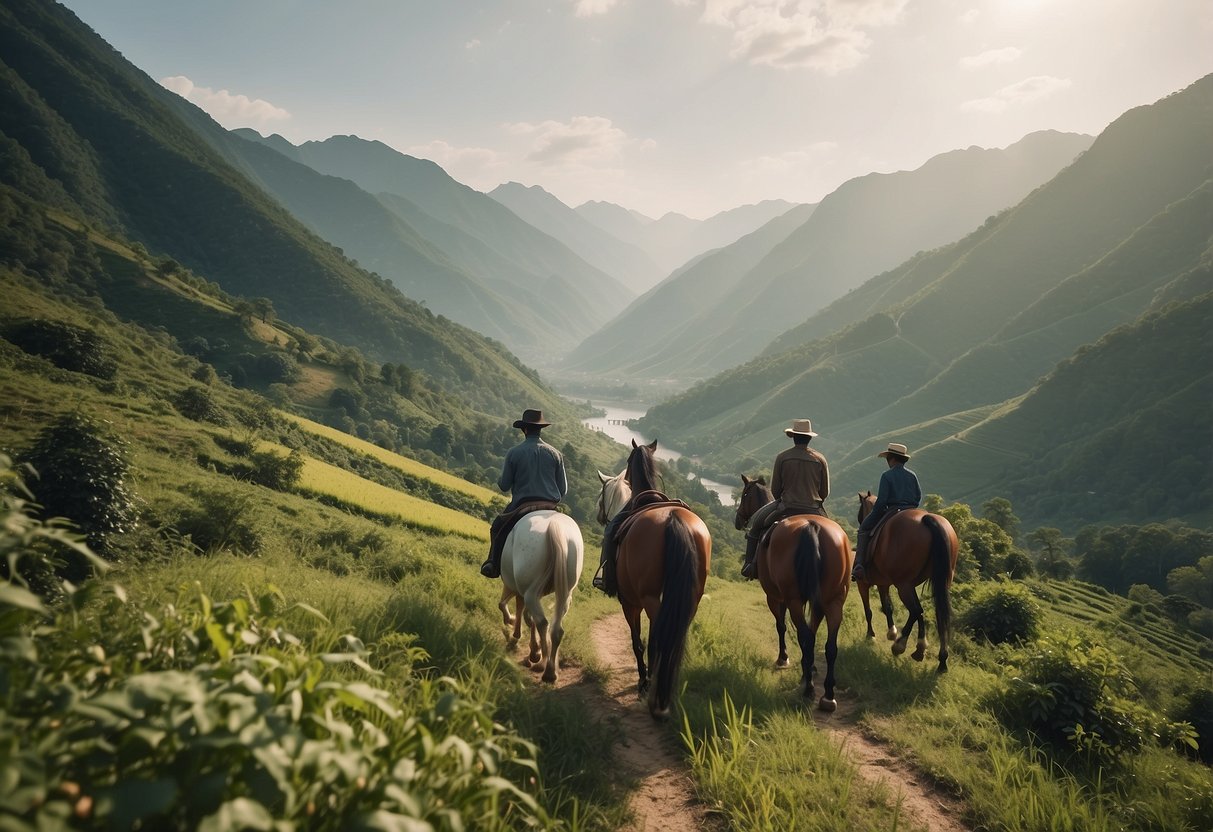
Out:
{"x": 330, "y": 481}
{"x": 401, "y": 463}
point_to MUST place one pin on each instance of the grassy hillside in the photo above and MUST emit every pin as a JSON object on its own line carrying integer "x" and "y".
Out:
{"x": 107, "y": 134}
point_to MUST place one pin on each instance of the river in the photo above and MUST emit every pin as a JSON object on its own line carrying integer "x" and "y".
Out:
{"x": 611, "y": 425}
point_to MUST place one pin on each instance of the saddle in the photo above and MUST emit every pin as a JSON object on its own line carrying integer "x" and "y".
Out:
{"x": 766, "y": 535}
{"x": 510, "y": 520}
{"x": 638, "y": 505}
{"x": 882, "y": 522}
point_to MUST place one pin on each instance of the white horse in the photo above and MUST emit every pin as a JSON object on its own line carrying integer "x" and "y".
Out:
{"x": 543, "y": 555}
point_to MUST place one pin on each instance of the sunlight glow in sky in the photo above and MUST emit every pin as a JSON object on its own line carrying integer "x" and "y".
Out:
{"x": 693, "y": 106}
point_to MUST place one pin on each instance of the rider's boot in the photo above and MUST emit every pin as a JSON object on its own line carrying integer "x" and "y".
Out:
{"x": 749, "y": 569}
{"x": 861, "y": 554}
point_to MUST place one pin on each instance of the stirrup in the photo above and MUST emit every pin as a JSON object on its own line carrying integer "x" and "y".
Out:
{"x": 490, "y": 570}
{"x": 599, "y": 582}
{"x": 749, "y": 570}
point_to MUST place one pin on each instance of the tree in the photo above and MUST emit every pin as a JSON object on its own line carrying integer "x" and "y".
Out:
{"x": 999, "y": 511}
{"x": 1051, "y": 548}
{"x": 264, "y": 308}
{"x": 244, "y": 310}
{"x": 1194, "y": 582}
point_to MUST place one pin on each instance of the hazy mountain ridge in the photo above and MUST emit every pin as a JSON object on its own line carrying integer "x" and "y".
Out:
{"x": 867, "y": 225}
{"x": 623, "y": 261}
{"x": 675, "y": 239}
{"x": 883, "y": 379}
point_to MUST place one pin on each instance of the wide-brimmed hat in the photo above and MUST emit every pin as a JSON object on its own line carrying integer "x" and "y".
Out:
{"x": 895, "y": 449}
{"x": 800, "y": 427}
{"x": 531, "y": 419}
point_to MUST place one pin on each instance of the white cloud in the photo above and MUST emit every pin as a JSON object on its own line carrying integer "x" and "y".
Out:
{"x": 970, "y": 17}
{"x": 228, "y": 109}
{"x": 825, "y": 35}
{"x": 991, "y": 56}
{"x": 1021, "y": 92}
{"x": 472, "y": 44}
{"x": 589, "y": 8}
{"x": 448, "y": 155}
{"x": 583, "y": 140}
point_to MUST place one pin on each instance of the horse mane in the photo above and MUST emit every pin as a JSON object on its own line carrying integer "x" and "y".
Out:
{"x": 641, "y": 469}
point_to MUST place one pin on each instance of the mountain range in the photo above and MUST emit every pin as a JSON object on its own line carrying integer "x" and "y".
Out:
{"x": 941, "y": 350}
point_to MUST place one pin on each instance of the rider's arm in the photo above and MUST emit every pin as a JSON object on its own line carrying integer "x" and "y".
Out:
{"x": 825, "y": 478}
{"x": 882, "y": 495}
{"x": 776, "y": 481}
{"x": 562, "y": 479}
{"x": 506, "y": 482}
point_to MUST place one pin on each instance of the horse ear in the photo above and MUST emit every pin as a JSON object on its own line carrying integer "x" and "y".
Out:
{"x": 745, "y": 480}
{"x": 603, "y": 478}
{"x": 653, "y": 446}
{"x": 869, "y": 492}
{"x": 633, "y": 443}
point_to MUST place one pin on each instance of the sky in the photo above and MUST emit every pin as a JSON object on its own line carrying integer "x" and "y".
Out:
{"x": 692, "y": 106}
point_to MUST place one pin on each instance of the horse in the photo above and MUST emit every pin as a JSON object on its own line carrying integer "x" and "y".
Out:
{"x": 912, "y": 547}
{"x": 543, "y": 555}
{"x": 807, "y": 560}
{"x": 661, "y": 567}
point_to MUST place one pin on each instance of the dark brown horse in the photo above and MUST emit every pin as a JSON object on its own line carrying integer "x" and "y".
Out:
{"x": 661, "y": 568}
{"x": 807, "y": 561}
{"x": 912, "y": 547}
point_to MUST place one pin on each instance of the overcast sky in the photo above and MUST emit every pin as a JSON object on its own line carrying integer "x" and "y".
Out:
{"x": 693, "y": 106}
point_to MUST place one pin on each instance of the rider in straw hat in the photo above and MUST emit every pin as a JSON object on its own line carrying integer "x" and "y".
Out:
{"x": 899, "y": 489}
{"x": 800, "y": 483}
{"x": 534, "y": 475}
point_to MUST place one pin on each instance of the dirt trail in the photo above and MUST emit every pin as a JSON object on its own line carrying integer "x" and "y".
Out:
{"x": 664, "y": 796}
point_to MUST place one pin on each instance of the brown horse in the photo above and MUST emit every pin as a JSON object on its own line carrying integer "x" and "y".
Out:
{"x": 807, "y": 560}
{"x": 661, "y": 567}
{"x": 912, "y": 547}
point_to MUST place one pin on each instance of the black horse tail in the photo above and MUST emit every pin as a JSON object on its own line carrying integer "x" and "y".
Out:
{"x": 807, "y": 564}
{"x": 668, "y": 636}
{"x": 941, "y": 573}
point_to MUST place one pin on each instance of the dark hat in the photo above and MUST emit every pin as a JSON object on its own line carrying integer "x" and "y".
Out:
{"x": 531, "y": 419}
{"x": 895, "y": 449}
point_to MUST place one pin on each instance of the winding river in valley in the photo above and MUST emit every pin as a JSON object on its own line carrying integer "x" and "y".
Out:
{"x": 613, "y": 424}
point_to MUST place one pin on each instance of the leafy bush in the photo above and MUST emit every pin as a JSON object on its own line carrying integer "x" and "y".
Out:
{"x": 196, "y": 403}
{"x": 82, "y": 472}
{"x": 215, "y": 716}
{"x": 66, "y": 346}
{"x": 222, "y": 519}
{"x": 1076, "y": 695}
{"x": 1002, "y": 612}
{"x": 1196, "y": 709}
{"x": 276, "y": 471}
{"x": 1018, "y": 565}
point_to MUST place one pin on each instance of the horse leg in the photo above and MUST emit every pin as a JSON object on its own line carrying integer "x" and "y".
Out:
{"x": 651, "y": 608}
{"x": 806, "y": 638}
{"x": 632, "y": 615}
{"x": 886, "y": 606}
{"x": 781, "y": 628}
{"x": 867, "y": 606}
{"x": 507, "y": 620}
{"x": 833, "y": 614}
{"x": 557, "y": 636}
{"x": 538, "y": 620}
{"x": 942, "y": 630}
{"x": 910, "y": 598}
{"x": 920, "y": 649}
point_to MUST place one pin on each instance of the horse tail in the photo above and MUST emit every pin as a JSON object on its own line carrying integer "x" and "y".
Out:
{"x": 669, "y": 632}
{"x": 807, "y": 564}
{"x": 558, "y": 562}
{"x": 941, "y": 572}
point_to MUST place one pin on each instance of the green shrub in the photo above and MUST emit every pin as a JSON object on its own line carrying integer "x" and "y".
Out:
{"x": 221, "y": 519}
{"x": 1075, "y": 695}
{"x": 1018, "y": 565}
{"x": 215, "y": 716}
{"x": 82, "y": 475}
{"x": 1002, "y": 613}
{"x": 1196, "y": 709}
{"x": 64, "y": 345}
{"x": 276, "y": 471}
{"x": 196, "y": 403}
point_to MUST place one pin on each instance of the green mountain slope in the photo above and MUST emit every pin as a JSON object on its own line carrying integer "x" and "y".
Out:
{"x": 867, "y": 225}
{"x": 622, "y": 261}
{"x": 540, "y": 264}
{"x": 122, "y": 155}
{"x": 1075, "y": 259}
{"x": 637, "y": 343}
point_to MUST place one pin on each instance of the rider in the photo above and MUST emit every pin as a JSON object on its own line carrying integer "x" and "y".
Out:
{"x": 899, "y": 489}
{"x": 534, "y": 474}
{"x": 800, "y": 484}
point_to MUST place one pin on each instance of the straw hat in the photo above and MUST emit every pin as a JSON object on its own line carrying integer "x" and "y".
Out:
{"x": 531, "y": 419}
{"x": 800, "y": 427}
{"x": 895, "y": 449}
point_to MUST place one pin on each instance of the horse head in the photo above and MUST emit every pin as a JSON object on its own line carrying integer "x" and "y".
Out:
{"x": 641, "y": 469}
{"x": 615, "y": 493}
{"x": 866, "y": 503}
{"x": 754, "y": 495}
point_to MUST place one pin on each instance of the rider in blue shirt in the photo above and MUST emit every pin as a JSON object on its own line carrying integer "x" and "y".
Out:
{"x": 534, "y": 475}
{"x": 898, "y": 489}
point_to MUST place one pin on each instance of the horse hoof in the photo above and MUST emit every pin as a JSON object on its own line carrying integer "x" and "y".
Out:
{"x": 899, "y": 647}
{"x": 659, "y": 714}
{"x": 780, "y": 664}
{"x": 871, "y": 635}
{"x": 827, "y": 705}
{"x": 892, "y": 634}
{"x": 943, "y": 667}
{"x": 549, "y": 676}
{"x": 917, "y": 655}
{"x": 511, "y": 643}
